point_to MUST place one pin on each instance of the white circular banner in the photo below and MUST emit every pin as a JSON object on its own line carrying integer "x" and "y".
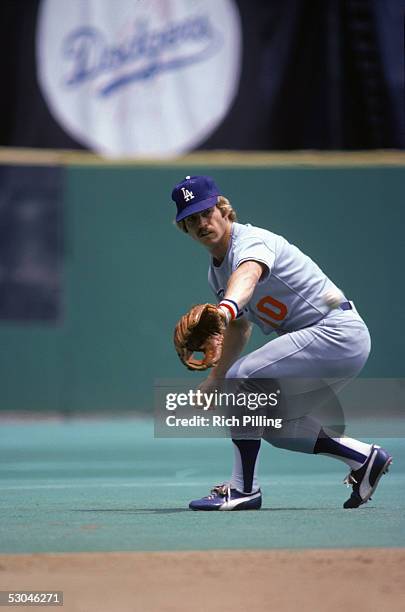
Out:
{"x": 139, "y": 77}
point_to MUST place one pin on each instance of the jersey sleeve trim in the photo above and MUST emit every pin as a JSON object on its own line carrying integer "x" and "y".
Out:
{"x": 256, "y": 250}
{"x": 266, "y": 272}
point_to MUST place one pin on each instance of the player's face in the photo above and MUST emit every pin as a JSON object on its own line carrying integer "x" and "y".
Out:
{"x": 208, "y": 227}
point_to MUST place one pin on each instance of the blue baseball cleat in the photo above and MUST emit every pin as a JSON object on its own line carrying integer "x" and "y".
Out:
{"x": 365, "y": 480}
{"x": 222, "y": 497}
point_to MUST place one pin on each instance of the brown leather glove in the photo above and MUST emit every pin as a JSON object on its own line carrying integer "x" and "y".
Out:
{"x": 200, "y": 329}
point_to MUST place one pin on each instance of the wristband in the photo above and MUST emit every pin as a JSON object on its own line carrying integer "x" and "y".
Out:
{"x": 230, "y": 307}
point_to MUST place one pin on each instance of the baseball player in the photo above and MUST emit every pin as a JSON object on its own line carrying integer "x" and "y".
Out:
{"x": 259, "y": 278}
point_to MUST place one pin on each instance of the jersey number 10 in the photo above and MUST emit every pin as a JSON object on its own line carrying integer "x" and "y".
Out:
{"x": 272, "y": 309}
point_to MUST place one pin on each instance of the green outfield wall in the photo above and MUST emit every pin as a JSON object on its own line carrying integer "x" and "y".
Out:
{"x": 129, "y": 274}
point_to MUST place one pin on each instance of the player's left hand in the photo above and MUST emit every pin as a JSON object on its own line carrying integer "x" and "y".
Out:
{"x": 200, "y": 329}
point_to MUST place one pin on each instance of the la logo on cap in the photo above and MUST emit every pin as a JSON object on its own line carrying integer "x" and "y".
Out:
{"x": 188, "y": 195}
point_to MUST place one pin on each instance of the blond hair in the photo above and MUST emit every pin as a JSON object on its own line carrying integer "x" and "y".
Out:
{"x": 224, "y": 206}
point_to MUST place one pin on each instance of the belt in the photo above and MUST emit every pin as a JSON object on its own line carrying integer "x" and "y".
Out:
{"x": 343, "y": 306}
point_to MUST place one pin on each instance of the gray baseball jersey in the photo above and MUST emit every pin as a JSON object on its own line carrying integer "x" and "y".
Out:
{"x": 289, "y": 296}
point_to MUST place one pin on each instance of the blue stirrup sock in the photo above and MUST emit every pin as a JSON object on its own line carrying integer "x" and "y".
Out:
{"x": 244, "y": 477}
{"x": 353, "y": 452}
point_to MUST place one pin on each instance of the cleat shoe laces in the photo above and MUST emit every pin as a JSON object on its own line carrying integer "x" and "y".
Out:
{"x": 223, "y": 497}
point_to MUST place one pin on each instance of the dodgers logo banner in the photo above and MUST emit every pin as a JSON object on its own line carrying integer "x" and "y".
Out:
{"x": 139, "y": 78}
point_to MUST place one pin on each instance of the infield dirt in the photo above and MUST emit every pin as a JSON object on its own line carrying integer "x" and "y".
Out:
{"x": 284, "y": 581}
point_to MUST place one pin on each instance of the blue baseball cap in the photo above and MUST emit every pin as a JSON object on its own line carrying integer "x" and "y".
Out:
{"x": 193, "y": 195}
